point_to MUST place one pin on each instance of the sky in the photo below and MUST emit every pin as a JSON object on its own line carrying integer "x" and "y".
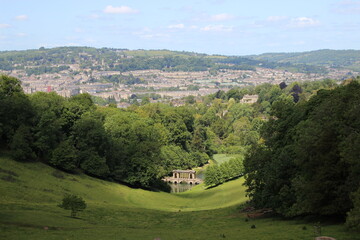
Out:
{"x": 228, "y": 27}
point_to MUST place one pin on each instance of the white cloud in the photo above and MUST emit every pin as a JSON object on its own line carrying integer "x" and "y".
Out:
{"x": 119, "y": 10}
{"x": 276, "y": 18}
{"x": 4, "y": 25}
{"x": 302, "y": 22}
{"x": 221, "y": 17}
{"x": 177, "y": 26}
{"x": 21, "y": 17}
{"x": 217, "y": 28}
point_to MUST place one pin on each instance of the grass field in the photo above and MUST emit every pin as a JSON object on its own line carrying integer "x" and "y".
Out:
{"x": 30, "y": 192}
{"x": 221, "y": 158}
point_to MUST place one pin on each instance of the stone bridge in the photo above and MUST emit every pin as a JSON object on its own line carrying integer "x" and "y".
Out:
{"x": 183, "y": 176}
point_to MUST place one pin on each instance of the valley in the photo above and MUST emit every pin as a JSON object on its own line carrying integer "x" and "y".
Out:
{"x": 29, "y": 210}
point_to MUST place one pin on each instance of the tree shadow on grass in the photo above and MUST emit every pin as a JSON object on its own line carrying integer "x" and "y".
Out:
{"x": 78, "y": 218}
{"x": 228, "y": 180}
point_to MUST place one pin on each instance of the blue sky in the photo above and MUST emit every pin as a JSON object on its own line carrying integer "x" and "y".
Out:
{"x": 230, "y": 27}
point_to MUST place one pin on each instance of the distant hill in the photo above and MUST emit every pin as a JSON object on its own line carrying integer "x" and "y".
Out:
{"x": 50, "y": 60}
{"x": 333, "y": 58}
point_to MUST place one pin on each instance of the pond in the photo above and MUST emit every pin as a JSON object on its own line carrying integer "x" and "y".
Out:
{"x": 182, "y": 187}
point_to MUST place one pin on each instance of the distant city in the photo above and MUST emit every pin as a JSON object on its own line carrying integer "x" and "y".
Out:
{"x": 69, "y": 79}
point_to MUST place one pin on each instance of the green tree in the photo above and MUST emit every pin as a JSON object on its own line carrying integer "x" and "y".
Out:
{"x": 309, "y": 163}
{"x": 179, "y": 134}
{"x": 15, "y": 108}
{"x": 225, "y": 172}
{"x": 93, "y": 164}
{"x": 21, "y": 144}
{"x": 174, "y": 157}
{"x": 134, "y": 156}
{"x": 74, "y": 108}
{"x": 353, "y": 216}
{"x": 212, "y": 175}
{"x": 65, "y": 156}
{"x": 88, "y": 133}
{"x": 190, "y": 99}
{"x": 322, "y": 140}
{"x": 47, "y": 126}
{"x": 73, "y": 203}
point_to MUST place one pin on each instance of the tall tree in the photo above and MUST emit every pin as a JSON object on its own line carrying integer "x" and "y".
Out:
{"x": 15, "y": 108}
{"x": 48, "y": 122}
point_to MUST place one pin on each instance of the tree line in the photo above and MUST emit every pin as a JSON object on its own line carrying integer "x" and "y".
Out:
{"x": 46, "y": 60}
{"x": 309, "y": 160}
{"x": 141, "y": 144}
{"x": 136, "y": 146}
{"x": 218, "y": 174}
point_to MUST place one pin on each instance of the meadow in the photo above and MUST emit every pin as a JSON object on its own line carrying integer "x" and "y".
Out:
{"x": 221, "y": 158}
{"x": 30, "y": 193}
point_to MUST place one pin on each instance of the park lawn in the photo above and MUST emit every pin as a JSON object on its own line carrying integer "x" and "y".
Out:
{"x": 221, "y": 158}
{"x": 29, "y": 194}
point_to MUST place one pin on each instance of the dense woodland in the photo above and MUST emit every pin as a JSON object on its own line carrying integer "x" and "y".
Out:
{"x": 300, "y": 141}
{"x": 308, "y": 162}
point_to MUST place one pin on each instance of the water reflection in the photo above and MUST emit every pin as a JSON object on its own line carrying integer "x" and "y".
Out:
{"x": 180, "y": 187}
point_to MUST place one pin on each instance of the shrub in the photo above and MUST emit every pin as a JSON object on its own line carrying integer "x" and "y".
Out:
{"x": 73, "y": 203}
{"x": 353, "y": 218}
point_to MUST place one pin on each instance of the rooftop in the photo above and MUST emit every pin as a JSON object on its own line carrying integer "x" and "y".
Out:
{"x": 184, "y": 171}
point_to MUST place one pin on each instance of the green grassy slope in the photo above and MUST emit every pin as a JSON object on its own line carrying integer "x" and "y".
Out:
{"x": 340, "y": 58}
{"x": 221, "y": 158}
{"x": 29, "y": 194}
{"x": 30, "y": 186}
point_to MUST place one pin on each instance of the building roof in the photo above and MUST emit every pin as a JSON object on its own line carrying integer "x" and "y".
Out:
{"x": 184, "y": 171}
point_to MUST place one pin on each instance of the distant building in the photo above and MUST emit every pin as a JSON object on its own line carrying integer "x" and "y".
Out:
{"x": 249, "y": 99}
{"x": 69, "y": 92}
{"x": 123, "y": 105}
